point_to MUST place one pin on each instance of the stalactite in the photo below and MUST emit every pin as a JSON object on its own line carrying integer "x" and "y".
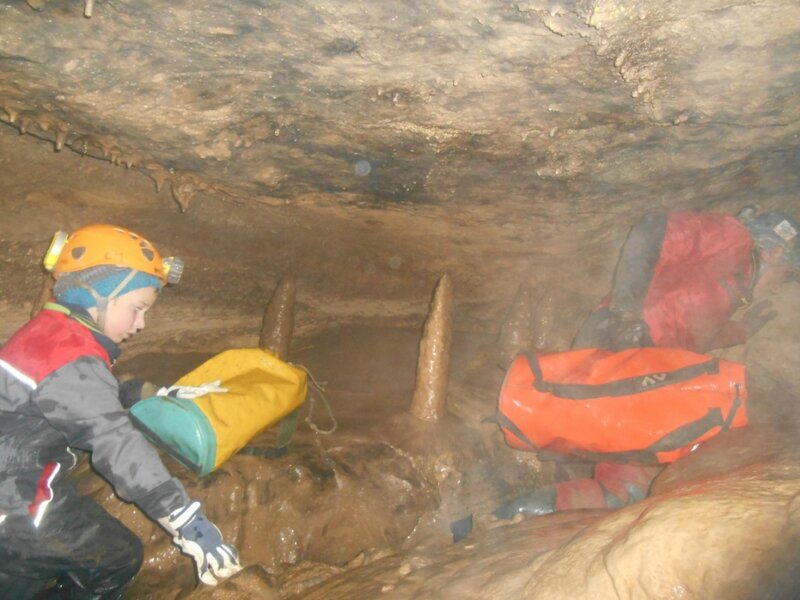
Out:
{"x": 157, "y": 173}
{"x": 61, "y": 137}
{"x": 88, "y": 8}
{"x": 278, "y": 322}
{"x": 23, "y": 124}
{"x": 433, "y": 364}
{"x": 184, "y": 188}
{"x": 12, "y": 114}
{"x": 80, "y": 144}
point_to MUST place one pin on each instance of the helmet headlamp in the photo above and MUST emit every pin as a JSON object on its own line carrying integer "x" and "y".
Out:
{"x": 54, "y": 251}
{"x": 173, "y": 269}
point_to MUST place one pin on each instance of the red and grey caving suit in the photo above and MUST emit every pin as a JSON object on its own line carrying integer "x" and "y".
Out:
{"x": 57, "y": 394}
{"x": 684, "y": 274}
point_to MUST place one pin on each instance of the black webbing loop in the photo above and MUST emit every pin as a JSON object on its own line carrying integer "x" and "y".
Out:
{"x": 621, "y": 387}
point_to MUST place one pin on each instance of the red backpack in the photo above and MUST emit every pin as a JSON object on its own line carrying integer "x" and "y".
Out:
{"x": 639, "y": 405}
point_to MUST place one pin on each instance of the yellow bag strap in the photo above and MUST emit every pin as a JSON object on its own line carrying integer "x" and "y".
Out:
{"x": 288, "y": 424}
{"x": 286, "y": 430}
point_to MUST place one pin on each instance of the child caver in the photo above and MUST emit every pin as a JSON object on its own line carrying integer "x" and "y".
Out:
{"x": 57, "y": 395}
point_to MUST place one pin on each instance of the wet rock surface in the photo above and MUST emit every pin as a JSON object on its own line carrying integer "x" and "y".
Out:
{"x": 421, "y": 102}
{"x": 367, "y": 149}
{"x": 384, "y": 480}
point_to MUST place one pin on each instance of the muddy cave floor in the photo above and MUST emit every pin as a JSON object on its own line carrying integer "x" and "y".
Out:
{"x": 381, "y": 483}
{"x": 365, "y": 512}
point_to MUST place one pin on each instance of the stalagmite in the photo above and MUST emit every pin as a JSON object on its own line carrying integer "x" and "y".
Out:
{"x": 278, "y": 323}
{"x": 433, "y": 365}
{"x": 543, "y": 321}
{"x": 515, "y": 333}
{"x": 45, "y": 294}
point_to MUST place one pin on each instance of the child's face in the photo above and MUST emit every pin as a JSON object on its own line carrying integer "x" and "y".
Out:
{"x": 125, "y": 314}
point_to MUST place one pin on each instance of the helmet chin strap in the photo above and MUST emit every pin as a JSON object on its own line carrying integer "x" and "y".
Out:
{"x": 102, "y": 301}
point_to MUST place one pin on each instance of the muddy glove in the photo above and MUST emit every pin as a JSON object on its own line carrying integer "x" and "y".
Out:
{"x": 133, "y": 390}
{"x": 757, "y": 316}
{"x": 199, "y": 538}
{"x": 190, "y": 392}
{"x": 627, "y": 330}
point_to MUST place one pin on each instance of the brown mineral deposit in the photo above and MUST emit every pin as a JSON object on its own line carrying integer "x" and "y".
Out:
{"x": 433, "y": 365}
{"x": 515, "y": 333}
{"x": 278, "y": 322}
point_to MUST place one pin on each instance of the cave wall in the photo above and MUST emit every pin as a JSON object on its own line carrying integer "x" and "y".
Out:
{"x": 497, "y": 140}
{"x": 371, "y": 147}
{"x": 279, "y": 99}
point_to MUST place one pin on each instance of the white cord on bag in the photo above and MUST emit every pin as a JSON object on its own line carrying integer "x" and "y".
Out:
{"x": 189, "y": 392}
{"x": 319, "y": 390}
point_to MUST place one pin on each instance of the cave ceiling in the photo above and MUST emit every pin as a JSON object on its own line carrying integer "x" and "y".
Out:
{"x": 560, "y": 107}
{"x": 372, "y": 146}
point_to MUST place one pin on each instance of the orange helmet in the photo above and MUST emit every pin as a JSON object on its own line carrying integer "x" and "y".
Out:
{"x": 96, "y": 245}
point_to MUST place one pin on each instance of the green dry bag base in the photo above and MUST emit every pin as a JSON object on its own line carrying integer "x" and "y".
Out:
{"x": 180, "y": 428}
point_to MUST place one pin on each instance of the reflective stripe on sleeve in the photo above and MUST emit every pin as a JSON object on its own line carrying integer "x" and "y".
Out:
{"x": 17, "y": 374}
{"x": 44, "y": 493}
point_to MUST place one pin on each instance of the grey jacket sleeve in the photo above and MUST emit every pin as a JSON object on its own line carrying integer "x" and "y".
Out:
{"x": 637, "y": 261}
{"x": 81, "y": 401}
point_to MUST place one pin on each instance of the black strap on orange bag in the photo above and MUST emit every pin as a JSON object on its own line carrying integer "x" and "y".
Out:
{"x": 620, "y": 387}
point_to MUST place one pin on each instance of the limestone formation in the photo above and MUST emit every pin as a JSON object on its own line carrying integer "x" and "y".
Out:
{"x": 433, "y": 365}
{"x": 262, "y": 86}
{"x": 278, "y": 321}
{"x": 515, "y": 333}
{"x": 374, "y": 146}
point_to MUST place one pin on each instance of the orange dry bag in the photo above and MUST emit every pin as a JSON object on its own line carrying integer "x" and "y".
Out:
{"x": 639, "y": 405}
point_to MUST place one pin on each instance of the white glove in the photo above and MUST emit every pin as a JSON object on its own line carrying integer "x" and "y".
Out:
{"x": 189, "y": 392}
{"x": 198, "y": 537}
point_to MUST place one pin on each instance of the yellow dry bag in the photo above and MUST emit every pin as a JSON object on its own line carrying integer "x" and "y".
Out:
{"x": 204, "y": 431}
